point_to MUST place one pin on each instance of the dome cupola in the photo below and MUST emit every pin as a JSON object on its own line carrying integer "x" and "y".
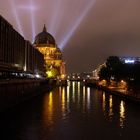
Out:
{"x": 44, "y": 38}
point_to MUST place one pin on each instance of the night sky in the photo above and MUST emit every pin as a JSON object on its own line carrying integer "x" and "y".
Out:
{"x": 87, "y": 31}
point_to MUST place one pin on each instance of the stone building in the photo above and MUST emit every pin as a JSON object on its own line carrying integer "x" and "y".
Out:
{"x": 45, "y": 43}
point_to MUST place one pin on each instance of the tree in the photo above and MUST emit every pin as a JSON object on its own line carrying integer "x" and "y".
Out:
{"x": 104, "y": 73}
{"x": 114, "y": 66}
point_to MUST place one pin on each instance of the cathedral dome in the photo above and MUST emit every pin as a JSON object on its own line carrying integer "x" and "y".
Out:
{"x": 44, "y": 38}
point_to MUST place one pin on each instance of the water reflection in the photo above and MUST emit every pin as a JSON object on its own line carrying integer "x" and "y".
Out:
{"x": 79, "y": 90}
{"x": 48, "y": 109}
{"x": 88, "y": 98}
{"x": 74, "y": 92}
{"x": 75, "y": 97}
{"x": 110, "y": 107}
{"x": 68, "y": 98}
{"x": 84, "y": 99}
{"x": 103, "y": 102}
{"x": 122, "y": 114}
{"x": 63, "y": 102}
{"x": 91, "y": 114}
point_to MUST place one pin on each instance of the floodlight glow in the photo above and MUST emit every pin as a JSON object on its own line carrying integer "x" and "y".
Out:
{"x": 78, "y": 22}
{"x": 31, "y": 7}
{"x": 16, "y": 17}
{"x": 55, "y": 16}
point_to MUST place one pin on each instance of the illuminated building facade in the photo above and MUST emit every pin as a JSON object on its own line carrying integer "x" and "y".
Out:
{"x": 45, "y": 43}
{"x": 130, "y": 60}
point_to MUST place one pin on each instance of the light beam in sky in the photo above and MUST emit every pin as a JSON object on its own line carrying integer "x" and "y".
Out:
{"x": 77, "y": 23}
{"x": 31, "y": 7}
{"x": 57, "y": 8}
{"x": 57, "y": 17}
{"x": 16, "y": 17}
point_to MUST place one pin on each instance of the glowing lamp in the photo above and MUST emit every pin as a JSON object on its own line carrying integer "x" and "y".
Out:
{"x": 37, "y": 76}
{"x": 49, "y": 73}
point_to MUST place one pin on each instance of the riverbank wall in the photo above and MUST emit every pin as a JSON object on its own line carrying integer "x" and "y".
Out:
{"x": 15, "y": 91}
{"x": 120, "y": 92}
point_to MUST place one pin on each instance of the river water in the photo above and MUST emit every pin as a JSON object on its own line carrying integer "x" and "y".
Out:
{"x": 74, "y": 112}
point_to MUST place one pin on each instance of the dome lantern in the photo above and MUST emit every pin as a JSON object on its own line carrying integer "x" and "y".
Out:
{"x": 44, "y": 29}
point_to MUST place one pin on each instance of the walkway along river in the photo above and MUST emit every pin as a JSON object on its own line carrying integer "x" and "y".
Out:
{"x": 74, "y": 112}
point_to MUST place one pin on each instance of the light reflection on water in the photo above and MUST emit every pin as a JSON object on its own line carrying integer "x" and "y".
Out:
{"x": 63, "y": 103}
{"x": 73, "y": 90}
{"x": 79, "y": 90}
{"x": 48, "y": 109}
{"x": 75, "y": 95}
{"x": 68, "y": 98}
{"x": 74, "y": 112}
{"x": 103, "y": 102}
{"x": 110, "y": 108}
{"x": 122, "y": 114}
{"x": 88, "y": 98}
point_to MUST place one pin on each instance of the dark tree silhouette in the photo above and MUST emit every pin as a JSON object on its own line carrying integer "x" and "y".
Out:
{"x": 118, "y": 70}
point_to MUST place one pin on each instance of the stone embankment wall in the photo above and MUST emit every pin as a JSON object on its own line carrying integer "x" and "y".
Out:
{"x": 13, "y": 92}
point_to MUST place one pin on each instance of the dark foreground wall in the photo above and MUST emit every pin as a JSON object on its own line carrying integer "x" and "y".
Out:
{"x": 13, "y": 92}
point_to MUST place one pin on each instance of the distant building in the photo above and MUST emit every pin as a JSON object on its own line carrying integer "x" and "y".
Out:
{"x": 97, "y": 70}
{"x": 130, "y": 60}
{"x": 45, "y": 43}
{"x": 131, "y": 66}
